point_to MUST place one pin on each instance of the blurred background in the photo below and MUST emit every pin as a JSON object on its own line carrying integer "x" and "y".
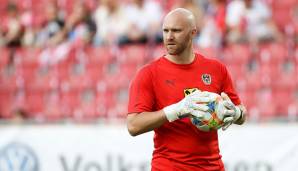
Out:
{"x": 68, "y": 63}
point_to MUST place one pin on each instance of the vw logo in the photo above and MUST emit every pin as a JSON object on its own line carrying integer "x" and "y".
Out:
{"x": 18, "y": 157}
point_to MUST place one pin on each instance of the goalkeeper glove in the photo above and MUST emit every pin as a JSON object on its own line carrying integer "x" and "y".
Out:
{"x": 189, "y": 105}
{"x": 231, "y": 114}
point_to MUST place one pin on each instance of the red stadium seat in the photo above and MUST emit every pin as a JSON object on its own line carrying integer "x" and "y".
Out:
{"x": 253, "y": 79}
{"x": 293, "y": 110}
{"x": 117, "y": 80}
{"x": 4, "y": 57}
{"x": 99, "y": 56}
{"x": 209, "y": 52}
{"x": 247, "y": 98}
{"x": 261, "y": 76}
{"x": 28, "y": 70}
{"x": 286, "y": 74}
{"x": 282, "y": 12}
{"x": 156, "y": 52}
{"x": 238, "y": 54}
{"x": 85, "y": 113}
{"x": 119, "y": 110}
{"x": 133, "y": 55}
{"x": 63, "y": 70}
{"x": 102, "y": 103}
{"x": 282, "y": 99}
{"x": 92, "y": 104}
{"x": 88, "y": 108}
{"x": 69, "y": 100}
{"x": 120, "y": 97}
{"x": 272, "y": 53}
{"x": 237, "y": 71}
{"x": 53, "y": 110}
{"x": 9, "y": 76}
{"x": 6, "y": 101}
{"x": 265, "y": 105}
{"x": 94, "y": 72}
{"x": 282, "y": 17}
{"x": 35, "y": 101}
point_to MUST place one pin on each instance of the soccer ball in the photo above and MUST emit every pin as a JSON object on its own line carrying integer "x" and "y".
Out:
{"x": 213, "y": 120}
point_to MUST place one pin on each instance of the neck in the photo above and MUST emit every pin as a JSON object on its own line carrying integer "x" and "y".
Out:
{"x": 186, "y": 57}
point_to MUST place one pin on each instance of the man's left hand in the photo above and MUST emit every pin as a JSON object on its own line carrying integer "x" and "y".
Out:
{"x": 232, "y": 112}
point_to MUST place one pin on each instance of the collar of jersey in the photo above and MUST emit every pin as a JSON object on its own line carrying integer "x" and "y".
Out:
{"x": 183, "y": 66}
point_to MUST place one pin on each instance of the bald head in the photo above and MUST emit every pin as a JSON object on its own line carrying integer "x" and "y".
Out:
{"x": 179, "y": 28}
{"x": 181, "y": 16}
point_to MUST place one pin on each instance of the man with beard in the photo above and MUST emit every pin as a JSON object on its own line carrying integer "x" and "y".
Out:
{"x": 167, "y": 91}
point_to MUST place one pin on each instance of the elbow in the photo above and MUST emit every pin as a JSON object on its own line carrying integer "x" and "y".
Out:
{"x": 132, "y": 127}
{"x": 133, "y": 131}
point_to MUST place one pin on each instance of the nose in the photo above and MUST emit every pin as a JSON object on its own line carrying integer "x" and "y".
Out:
{"x": 170, "y": 36}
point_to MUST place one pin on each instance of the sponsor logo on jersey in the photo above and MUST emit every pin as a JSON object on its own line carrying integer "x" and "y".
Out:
{"x": 170, "y": 82}
{"x": 188, "y": 91}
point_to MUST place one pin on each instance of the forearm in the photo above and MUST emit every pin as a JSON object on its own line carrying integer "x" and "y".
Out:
{"x": 242, "y": 118}
{"x": 144, "y": 122}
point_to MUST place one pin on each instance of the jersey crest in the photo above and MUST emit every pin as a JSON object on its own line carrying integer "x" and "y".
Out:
{"x": 206, "y": 78}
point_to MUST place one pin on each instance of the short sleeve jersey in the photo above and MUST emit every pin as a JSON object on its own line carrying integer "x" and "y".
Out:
{"x": 179, "y": 145}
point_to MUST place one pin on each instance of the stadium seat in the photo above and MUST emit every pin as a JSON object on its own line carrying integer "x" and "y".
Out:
{"x": 253, "y": 79}
{"x": 282, "y": 99}
{"x": 69, "y": 100}
{"x": 209, "y": 52}
{"x": 283, "y": 11}
{"x": 156, "y": 52}
{"x": 35, "y": 101}
{"x": 6, "y": 101}
{"x": 262, "y": 76}
{"x": 99, "y": 56}
{"x": 9, "y": 76}
{"x": 293, "y": 110}
{"x": 286, "y": 74}
{"x": 4, "y": 59}
{"x": 94, "y": 72}
{"x": 62, "y": 70}
{"x": 236, "y": 54}
{"x": 88, "y": 108}
{"x": 132, "y": 54}
{"x": 28, "y": 70}
{"x": 272, "y": 53}
{"x": 263, "y": 99}
{"x": 236, "y": 71}
{"x": 102, "y": 103}
{"x": 120, "y": 97}
{"x": 53, "y": 110}
{"x": 45, "y": 84}
{"x": 247, "y": 97}
{"x": 85, "y": 113}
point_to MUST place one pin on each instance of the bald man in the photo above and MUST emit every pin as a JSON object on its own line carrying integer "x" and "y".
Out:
{"x": 157, "y": 100}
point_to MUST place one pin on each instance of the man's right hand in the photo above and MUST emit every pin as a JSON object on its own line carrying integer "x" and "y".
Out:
{"x": 192, "y": 104}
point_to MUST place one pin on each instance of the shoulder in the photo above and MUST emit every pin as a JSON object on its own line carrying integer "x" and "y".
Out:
{"x": 212, "y": 62}
{"x": 149, "y": 68}
{"x": 145, "y": 75}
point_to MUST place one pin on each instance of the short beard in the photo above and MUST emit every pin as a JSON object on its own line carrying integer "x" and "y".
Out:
{"x": 180, "y": 49}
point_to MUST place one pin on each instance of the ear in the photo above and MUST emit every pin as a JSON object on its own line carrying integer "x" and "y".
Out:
{"x": 194, "y": 32}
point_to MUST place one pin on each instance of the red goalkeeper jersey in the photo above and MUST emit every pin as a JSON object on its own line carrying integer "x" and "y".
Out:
{"x": 179, "y": 145}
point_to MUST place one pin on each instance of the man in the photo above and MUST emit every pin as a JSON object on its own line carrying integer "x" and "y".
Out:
{"x": 158, "y": 100}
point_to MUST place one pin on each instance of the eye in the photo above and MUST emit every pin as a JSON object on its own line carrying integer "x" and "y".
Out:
{"x": 177, "y": 30}
{"x": 165, "y": 30}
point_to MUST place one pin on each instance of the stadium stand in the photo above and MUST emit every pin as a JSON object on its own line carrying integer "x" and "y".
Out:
{"x": 89, "y": 81}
